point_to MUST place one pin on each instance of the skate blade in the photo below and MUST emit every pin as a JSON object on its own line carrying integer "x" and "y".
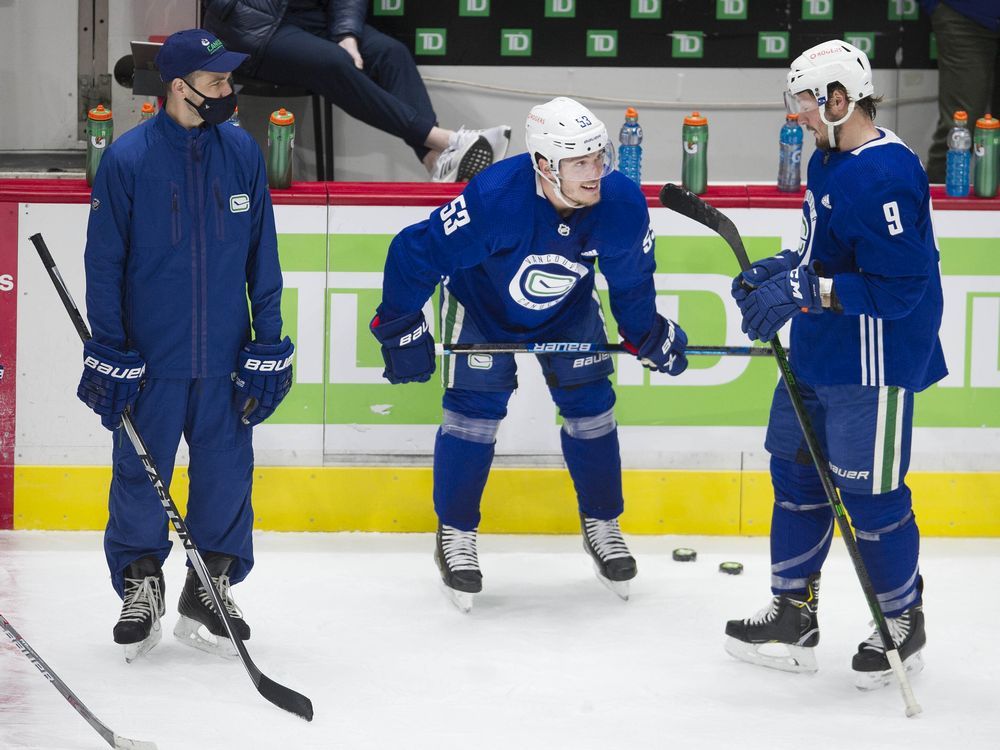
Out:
{"x": 866, "y": 681}
{"x": 782, "y": 656}
{"x": 621, "y": 589}
{"x": 189, "y": 632}
{"x": 134, "y": 650}
{"x": 461, "y": 599}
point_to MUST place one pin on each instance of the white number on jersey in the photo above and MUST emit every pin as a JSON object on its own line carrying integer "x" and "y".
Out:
{"x": 455, "y": 215}
{"x": 891, "y": 211}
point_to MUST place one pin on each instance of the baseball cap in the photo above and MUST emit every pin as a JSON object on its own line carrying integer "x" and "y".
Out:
{"x": 195, "y": 49}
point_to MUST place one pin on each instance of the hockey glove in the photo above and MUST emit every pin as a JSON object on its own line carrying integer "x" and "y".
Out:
{"x": 767, "y": 308}
{"x": 110, "y": 382}
{"x": 662, "y": 349}
{"x": 263, "y": 379}
{"x": 761, "y": 271}
{"x": 407, "y": 348}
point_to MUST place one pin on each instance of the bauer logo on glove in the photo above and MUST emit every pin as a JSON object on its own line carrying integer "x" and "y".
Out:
{"x": 264, "y": 378}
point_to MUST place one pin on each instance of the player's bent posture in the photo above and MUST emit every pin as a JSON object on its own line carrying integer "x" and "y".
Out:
{"x": 515, "y": 254}
{"x": 863, "y": 291}
{"x": 181, "y": 232}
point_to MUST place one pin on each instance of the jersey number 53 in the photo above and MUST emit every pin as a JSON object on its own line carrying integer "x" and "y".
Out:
{"x": 454, "y": 215}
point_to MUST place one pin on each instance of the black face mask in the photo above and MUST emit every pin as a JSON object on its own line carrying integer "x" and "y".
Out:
{"x": 213, "y": 110}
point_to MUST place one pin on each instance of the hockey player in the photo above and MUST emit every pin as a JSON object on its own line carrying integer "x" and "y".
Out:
{"x": 181, "y": 231}
{"x": 516, "y": 252}
{"x": 863, "y": 292}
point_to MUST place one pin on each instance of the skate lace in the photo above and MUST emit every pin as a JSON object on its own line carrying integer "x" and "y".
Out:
{"x": 766, "y": 614}
{"x": 143, "y": 599}
{"x": 606, "y": 538}
{"x": 899, "y": 628}
{"x": 459, "y": 548}
{"x": 222, "y": 585}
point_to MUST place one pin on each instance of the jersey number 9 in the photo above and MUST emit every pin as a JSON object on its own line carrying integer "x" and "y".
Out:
{"x": 891, "y": 211}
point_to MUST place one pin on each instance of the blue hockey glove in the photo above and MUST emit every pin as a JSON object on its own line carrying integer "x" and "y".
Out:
{"x": 761, "y": 271}
{"x": 662, "y": 349}
{"x": 263, "y": 379}
{"x": 767, "y": 308}
{"x": 407, "y": 348}
{"x": 110, "y": 382}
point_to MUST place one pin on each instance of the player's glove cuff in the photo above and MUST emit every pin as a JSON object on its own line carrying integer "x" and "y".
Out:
{"x": 407, "y": 347}
{"x": 662, "y": 349}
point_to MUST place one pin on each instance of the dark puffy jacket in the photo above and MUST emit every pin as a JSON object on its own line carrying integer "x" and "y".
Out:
{"x": 248, "y": 25}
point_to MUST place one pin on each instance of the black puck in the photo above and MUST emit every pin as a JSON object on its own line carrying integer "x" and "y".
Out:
{"x": 684, "y": 554}
{"x": 732, "y": 568}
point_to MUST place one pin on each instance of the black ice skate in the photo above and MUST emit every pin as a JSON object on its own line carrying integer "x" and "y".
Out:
{"x": 783, "y": 635}
{"x": 138, "y": 627}
{"x": 456, "y": 558}
{"x": 871, "y": 667}
{"x": 200, "y": 625}
{"x": 613, "y": 563}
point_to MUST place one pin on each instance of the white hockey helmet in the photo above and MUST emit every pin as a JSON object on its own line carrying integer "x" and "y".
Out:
{"x": 814, "y": 70}
{"x": 563, "y": 129}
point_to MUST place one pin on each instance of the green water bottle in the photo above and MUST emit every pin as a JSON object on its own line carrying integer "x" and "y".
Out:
{"x": 100, "y": 131}
{"x": 986, "y": 146}
{"x": 694, "y": 139}
{"x": 280, "y": 143}
{"x": 147, "y": 112}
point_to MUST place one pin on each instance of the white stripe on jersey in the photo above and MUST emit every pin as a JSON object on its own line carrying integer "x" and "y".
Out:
{"x": 877, "y": 463}
{"x": 881, "y": 359}
{"x": 862, "y": 347}
{"x": 449, "y": 301}
{"x": 898, "y": 443}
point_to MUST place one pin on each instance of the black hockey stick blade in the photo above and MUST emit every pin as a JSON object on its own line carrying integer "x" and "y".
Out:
{"x": 688, "y": 204}
{"x": 286, "y": 698}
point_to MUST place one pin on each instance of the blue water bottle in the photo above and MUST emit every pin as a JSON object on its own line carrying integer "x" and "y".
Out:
{"x": 630, "y": 148}
{"x": 790, "y": 155}
{"x": 956, "y": 176}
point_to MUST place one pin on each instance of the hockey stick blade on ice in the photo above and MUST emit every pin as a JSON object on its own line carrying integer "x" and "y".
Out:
{"x": 573, "y": 347}
{"x": 114, "y": 740}
{"x": 688, "y": 204}
{"x": 276, "y": 693}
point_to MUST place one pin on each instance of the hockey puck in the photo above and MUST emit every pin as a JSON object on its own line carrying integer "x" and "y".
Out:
{"x": 732, "y": 568}
{"x": 684, "y": 554}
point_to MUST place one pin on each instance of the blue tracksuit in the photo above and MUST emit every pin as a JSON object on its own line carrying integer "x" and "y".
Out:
{"x": 181, "y": 231}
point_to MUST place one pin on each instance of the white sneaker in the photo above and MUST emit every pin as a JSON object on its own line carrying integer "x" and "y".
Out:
{"x": 469, "y": 152}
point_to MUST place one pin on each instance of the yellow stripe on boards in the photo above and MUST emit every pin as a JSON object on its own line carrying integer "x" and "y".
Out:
{"x": 517, "y": 500}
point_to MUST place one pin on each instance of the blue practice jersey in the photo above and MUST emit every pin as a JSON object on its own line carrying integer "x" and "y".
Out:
{"x": 522, "y": 271}
{"x": 867, "y": 220}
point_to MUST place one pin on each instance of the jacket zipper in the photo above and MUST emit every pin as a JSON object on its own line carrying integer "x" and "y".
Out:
{"x": 220, "y": 219}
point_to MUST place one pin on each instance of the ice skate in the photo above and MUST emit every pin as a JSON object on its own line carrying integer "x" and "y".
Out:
{"x": 613, "y": 563}
{"x": 870, "y": 665}
{"x": 138, "y": 627}
{"x": 783, "y": 635}
{"x": 469, "y": 152}
{"x": 200, "y": 625}
{"x": 456, "y": 558}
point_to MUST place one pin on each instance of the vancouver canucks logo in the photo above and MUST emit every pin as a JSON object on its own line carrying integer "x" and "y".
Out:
{"x": 808, "y": 231}
{"x": 544, "y": 280}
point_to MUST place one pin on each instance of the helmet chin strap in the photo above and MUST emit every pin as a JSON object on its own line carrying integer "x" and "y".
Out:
{"x": 557, "y": 186}
{"x": 831, "y": 125}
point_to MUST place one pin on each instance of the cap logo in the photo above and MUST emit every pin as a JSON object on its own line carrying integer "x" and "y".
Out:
{"x": 212, "y": 47}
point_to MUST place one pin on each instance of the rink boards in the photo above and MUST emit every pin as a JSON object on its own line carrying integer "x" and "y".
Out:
{"x": 348, "y": 451}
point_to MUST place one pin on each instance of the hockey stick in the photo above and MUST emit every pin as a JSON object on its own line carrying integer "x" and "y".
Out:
{"x": 278, "y": 694}
{"x": 573, "y": 347}
{"x": 688, "y": 204}
{"x": 116, "y": 741}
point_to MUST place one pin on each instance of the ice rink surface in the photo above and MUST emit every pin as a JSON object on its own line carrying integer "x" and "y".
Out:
{"x": 548, "y": 659}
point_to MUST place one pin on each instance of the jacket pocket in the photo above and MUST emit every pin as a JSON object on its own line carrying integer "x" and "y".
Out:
{"x": 175, "y": 213}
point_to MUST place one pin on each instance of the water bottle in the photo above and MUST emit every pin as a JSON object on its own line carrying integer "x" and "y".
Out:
{"x": 234, "y": 118}
{"x": 147, "y": 112}
{"x": 100, "y": 132}
{"x": 987, "y": 148}
{"x": 280, "y": 142}
{"x": 790, "y": 155}
{"x": 630, "y": 148}
{"x": 694, "y": 167}
{"x": 956, "y": 179}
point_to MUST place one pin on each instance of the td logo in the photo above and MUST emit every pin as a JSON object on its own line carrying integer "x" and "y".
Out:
{"x": 388, "y": 8}
{"x": 864, "y": 41}
{"x": 474, "y": 8}
{"x": 602, "y": 43}
{"x": 817, "y": 10}
{"x": 731, "y": 10}
{"x": 647, "y": 9}
{"x": 772, "y": 44}
{"x": 688, "y": 44}
{"x": 904, "y": 10}
{"x": 431, "y": 41}
{"x": 515, "y": 42}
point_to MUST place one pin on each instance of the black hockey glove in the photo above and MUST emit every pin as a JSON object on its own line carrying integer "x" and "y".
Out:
{"x": 662, "y": 349}
{"x": 407, "y": 348}
{"x": 110, "y": 382}
{"x": 263, "y": 379}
